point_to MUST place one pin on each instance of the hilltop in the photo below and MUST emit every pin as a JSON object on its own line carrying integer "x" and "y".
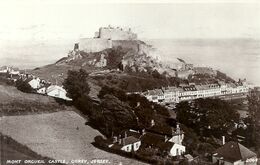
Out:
{"x": 116, "y": 57}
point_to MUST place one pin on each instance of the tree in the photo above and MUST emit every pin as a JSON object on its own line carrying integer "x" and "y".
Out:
{"x": 76, "y": 84}
{"x": 254, "y": 116}
{"x": 208, "y": 116}
{"x": 24, "y": 86}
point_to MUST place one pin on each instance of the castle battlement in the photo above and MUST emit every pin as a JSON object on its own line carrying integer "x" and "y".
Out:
{"x": 117, "y": 33}
{"x": 108, "y": 37}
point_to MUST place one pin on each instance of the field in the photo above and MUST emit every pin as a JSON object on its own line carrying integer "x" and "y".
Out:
{"x": 58, "y": 135}
{"x": 15, "y": 102}
{"x": 38, "y": 126}
{"x": 12, "y": 150}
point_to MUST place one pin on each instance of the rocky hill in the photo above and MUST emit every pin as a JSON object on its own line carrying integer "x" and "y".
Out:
{"x": 134, "y": 55}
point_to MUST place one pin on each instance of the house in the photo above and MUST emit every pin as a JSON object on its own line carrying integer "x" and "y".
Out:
{"x": 233, "y": 153}
{"x": 43, "y": 89}
{"x": 34, "y": 82}
{"x": 164, "y": 138}
{"x": 162, "y": 144}
{"x": 4, "y": 69}
{"x": 57, "y": 91}
{"x": 14, "y": 71}
{"x": 155, "y": 95}
{"x": 128, "y": 142}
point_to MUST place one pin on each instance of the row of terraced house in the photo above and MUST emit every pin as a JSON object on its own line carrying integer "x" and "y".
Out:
{"x": 193, "y": 91}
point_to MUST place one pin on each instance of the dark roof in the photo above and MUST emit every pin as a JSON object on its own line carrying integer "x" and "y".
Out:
{"x": 117, "y": 146}
{"x": 163, "y": 130}
{"x": 133, "y": 133}
{"x": 130, "y": 140}
{"x": 156, "y": 141}
{"x": 28, "y": 80}
{"x": 234, "y": 151}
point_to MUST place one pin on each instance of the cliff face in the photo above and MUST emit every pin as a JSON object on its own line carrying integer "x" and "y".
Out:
{"x": 130, "y": 55}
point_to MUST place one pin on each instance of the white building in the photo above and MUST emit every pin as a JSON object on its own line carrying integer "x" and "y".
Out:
{"x": 191, "y": 92}
{"x": 4, "y": 69}
{"x": 34, "y": 83}
{"x": 177, "y": 149}
{"x": 57, "y": 91}
{"x": 164, "y": 138}
{"x": 42, "y": 90}
{"x": 128, "y": 142}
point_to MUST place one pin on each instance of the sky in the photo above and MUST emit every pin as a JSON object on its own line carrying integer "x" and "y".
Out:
{"x": 70, "y": 20}
{"x": 35, "y": 32}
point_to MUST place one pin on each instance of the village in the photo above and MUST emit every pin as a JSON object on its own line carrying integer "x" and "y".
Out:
{"x": 192, "y": 91}
{"x": 163, "y": 142}
{"x": 39, "y": 85}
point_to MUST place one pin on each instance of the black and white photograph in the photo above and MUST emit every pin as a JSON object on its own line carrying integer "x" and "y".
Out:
{"x": 130, "y": 82}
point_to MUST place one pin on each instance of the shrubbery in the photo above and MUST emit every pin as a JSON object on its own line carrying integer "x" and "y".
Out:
{"x": 24, "y": 86}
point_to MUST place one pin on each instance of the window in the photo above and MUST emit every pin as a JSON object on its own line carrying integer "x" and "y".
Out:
{"x": 127, "y": 148}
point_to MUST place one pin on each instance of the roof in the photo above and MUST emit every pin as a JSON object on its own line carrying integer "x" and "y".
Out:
{"x": 155, "y": 92}
{"x": 29, "y": 79}
{"x": 130, "y": 140}
{"x": 189, "y": 88}
{"x": 188, "y": 156}
{"x": 54, "y": 87}
{"x": 171, "y": 89}
{"x": 234, "y": 151}
{"x": 207, "y": 86}
{"x": 232, "y": 85}
{"x": 130, "y": 132}
{"x": 163, "y": 130}
{"x": 156, "y": 141}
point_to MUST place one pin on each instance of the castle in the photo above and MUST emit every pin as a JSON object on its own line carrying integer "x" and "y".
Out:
{"x": 108, "y": 37}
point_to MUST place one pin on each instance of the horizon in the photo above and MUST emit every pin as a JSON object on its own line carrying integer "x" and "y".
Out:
{"x": 47, "y": 21}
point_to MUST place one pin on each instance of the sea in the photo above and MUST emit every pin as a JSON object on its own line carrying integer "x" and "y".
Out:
{"x": 238, "y": 58}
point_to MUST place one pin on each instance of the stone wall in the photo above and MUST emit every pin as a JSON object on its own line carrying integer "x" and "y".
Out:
{"x": 116, "y": 34}
{"x": 126, "y": 44}
{"x": 94, "y": 44}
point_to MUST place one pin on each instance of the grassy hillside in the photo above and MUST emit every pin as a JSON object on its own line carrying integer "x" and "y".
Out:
{"x": 15, "y": 102}
{"x": 59, "y": 135}
{"x": 12, "y": 150}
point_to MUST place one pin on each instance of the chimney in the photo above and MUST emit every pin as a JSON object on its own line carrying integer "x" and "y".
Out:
{"x": 223, "y": 140}
{"x": 152, "y": 123}
{"x": 143, "y": 131}
{"x": 178, "y": 130}
{"x": 138, "y": 104}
